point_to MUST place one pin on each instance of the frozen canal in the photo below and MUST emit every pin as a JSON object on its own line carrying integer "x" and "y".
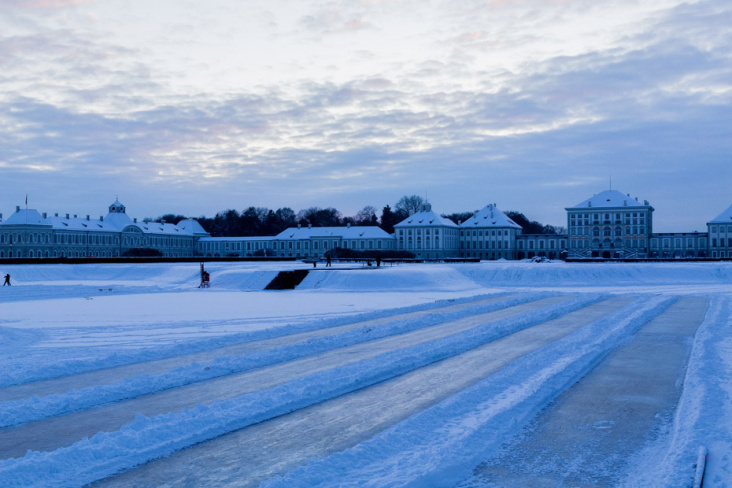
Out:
{"x": 442, "y": 375}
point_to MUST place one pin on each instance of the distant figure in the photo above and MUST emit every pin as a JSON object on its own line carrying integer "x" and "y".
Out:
{"x": 7, "y": 280}
{"x": 327, "y": 260}
{"x": 205, "y": 278}
{"x": 378, "y": 261}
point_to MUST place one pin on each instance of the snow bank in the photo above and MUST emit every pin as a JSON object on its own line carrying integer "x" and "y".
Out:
{"x": 571, "y": 275}
{"x": 236, "y": 276}
{"x": 403, "y": 278}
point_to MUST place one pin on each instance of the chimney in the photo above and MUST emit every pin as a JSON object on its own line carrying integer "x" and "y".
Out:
{"x": 87, "y": 217}
{"x": 45, "y": 215}
{"x": 134, "y": 220}
{"x": 75, "y": 216}
{"x": 348, "y": 225}
{"x": 101, "y": 218}
{"x": 299, "y": 226}
{"x": 645, "y": 202}
{"x": 67, "y": 216}
{"x": 17, "y": 208}
{"x": 56, "y": 214}
{"x": 310, "y": 226}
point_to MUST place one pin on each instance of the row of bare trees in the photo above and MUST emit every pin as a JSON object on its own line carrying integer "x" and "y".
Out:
{"x": 262, "y": 221}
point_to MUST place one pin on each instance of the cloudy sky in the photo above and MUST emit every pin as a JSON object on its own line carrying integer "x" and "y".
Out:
{"x": 182, "y": 106}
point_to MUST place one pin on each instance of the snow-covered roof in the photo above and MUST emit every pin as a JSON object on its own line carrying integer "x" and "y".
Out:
{"x": 723, "y": 218}
{"x": 489, "y": 216}
{"x": 161, "y": 228}
{"x": 75, "y": 223}
{"x": 611, "y": 198}
{"x": 118, "y": 220}
{"x": 426, "y": 218}
{"x": 192, "y": 227}
{"x": 352, "y": 232}
{"x": 113, "y": 222}
{"x": 25, "y": 217}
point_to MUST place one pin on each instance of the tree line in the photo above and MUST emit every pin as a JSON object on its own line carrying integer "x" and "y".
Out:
{"x": 262, "y": 221}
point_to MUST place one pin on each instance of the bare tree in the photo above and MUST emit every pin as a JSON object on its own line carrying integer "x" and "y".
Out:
{"x": 366, "y": 216}
{"x": 409, "y": 205}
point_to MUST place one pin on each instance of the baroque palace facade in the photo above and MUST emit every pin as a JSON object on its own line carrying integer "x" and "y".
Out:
{"x": 608, "y": 225}
{"x": 30, "y": 234}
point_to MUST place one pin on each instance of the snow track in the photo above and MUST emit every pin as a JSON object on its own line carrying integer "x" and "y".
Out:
{"x": 48, "y": 379}
{"x": 331, "y": 367}
{"x": 400, "y": 321}
{"x": 438, "y": 446}
{"x": 72, "y": 427}
{"x": 244, "y": 457}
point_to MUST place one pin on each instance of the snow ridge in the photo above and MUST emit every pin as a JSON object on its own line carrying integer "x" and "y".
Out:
{"x": 149, "y": 438}
{"x": 32, "y": 409}
{"x": 17, "y": 376}
{"x": 440, "y": 446}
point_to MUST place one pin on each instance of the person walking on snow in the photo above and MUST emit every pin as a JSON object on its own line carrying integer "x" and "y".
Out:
{"x": 7, "y": 280}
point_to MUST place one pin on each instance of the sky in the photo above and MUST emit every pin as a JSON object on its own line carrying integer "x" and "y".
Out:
{"x": 192, "y": 107}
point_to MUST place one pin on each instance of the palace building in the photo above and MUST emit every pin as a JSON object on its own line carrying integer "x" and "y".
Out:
{"x": 30, "y": 234}
{"x": 608, "y": 225}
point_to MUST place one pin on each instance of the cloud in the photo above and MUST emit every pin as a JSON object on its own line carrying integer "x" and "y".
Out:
{"x": 48, "y": 4}
{"x": 643, "y": 106}
{"x": 332, "y": 19}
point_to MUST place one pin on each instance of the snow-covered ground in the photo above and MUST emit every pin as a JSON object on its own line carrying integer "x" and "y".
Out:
{"x": 129, "y": 375}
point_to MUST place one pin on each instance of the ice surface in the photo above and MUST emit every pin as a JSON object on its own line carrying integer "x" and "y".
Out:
{"x": 103, "y": 327}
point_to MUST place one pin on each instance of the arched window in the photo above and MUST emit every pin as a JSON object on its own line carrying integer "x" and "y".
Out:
{"x": 606, "y": 232}
{"x": 596, "y": 232}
